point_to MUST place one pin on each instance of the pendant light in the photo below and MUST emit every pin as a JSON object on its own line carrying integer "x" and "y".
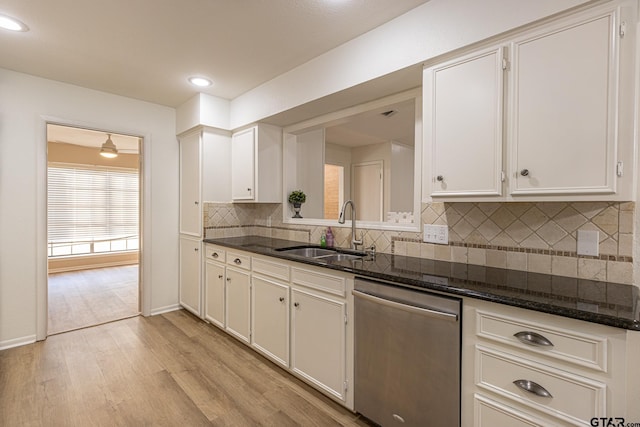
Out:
{"x": 109, "y": 149}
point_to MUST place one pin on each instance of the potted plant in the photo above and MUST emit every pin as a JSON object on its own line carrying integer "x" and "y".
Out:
{"x": 297, "y": 198}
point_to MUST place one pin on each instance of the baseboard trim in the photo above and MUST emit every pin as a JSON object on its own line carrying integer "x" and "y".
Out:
{"x": 165, "y": 309}
{"x": 92, "y": 266}
{"x": 17, "y": 342}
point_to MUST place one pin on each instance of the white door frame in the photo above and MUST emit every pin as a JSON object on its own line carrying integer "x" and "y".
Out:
{"x": 41, "y": 216}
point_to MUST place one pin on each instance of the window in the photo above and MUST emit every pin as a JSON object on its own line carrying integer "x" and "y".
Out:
{"x": 92, "y": 210}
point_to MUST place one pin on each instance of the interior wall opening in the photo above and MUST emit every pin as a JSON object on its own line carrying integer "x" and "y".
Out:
{"x": 93, "y": 227}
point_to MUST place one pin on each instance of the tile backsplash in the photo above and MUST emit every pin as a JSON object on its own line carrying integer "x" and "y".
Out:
{"x": 534, "y": 237}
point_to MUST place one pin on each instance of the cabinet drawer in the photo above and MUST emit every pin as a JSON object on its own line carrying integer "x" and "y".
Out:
{"x": 214, "y": 253}
{"x": 278, "y": 270}
{"x": 573, "y": 398}
{"x": 489, "y": 413}
{"x": 239, "y": 260}
{"x": 314, "y": 279}
{"x": 577, "y": 348}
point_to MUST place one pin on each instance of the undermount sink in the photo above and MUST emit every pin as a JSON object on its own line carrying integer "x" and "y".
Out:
{"x": 322, "y": 254}
{"x": 307, "y": 252}
{"x": 339, "y": 257}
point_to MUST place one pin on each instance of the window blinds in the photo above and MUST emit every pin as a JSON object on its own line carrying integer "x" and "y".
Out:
{"x": 87, "y": 205}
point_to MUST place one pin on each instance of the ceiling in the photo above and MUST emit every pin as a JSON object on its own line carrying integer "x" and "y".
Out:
{"x": 394, "y": 122}
{"x": 146, "y": 49}
{"x": 91, "y": 138}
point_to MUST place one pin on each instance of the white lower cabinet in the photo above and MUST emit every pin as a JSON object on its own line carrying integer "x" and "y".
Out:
{"x": 296, "y": 315}
{"x": 190, "y": 261}
{"x": 318, "y": 341}
{"x": 270, "y": 318}
{"x": 214, "y": 293}
{"x": 238, "y": 303}
{"x": 525, "y": 368}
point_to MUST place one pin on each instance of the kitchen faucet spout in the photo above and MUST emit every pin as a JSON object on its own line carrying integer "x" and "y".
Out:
{"x": 341, "y": 219}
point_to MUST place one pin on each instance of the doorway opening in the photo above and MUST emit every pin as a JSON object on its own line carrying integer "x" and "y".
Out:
{"x": 93, "y": 227}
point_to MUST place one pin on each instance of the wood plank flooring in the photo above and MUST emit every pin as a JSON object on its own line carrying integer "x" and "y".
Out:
{"x": 78, "y": 299}
{"x": 166, "y": 370}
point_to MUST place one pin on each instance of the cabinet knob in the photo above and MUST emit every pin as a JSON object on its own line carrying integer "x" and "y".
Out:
{"x": 524, "y": 172}
{"x": 228, "y": 279}
{"x": 296, "y": 304}
{"x": 237, "y": 261}
{"x": 533, "y": 338}
{"x": 219, "y": 276}
{"x": 281, "y": 299}
{"x": 195, "y": 249}
{"x": 249, "y": 190}
{"x": 532, "y": 387}
{"x": 196, "y": 202}
{"x": 440, "y": 178}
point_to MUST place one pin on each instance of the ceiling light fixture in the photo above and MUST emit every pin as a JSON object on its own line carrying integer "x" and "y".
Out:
{"x": 200, "y": 81}
{"x": 109, "y": 149}
{"x": 12, "y": 24}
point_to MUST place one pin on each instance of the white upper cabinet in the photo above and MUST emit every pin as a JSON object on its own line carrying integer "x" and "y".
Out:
{"x": 190, "y": 194}
{"x": 256, "y": 165}
{"x": 566, "y": 129}
{"x": 463, "y": 126}
{"x": 204, "y": 175}
{"x": 563, "y": 110}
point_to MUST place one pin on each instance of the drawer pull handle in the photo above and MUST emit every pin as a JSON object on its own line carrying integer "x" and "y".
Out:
{"x": 237, "y": 261}
{"x": 533, "y": 338}
{"x": 215, "y": 255}
{"x": 531, "y": 387}
{"x": 219, "y": 276}
{"x": 281, "y": 299}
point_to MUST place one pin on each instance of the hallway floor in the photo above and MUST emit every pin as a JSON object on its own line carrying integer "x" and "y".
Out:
{"x": 78, "y": 299}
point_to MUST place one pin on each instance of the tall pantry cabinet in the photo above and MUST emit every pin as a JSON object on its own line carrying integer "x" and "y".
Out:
{"x": 199, "y": 183}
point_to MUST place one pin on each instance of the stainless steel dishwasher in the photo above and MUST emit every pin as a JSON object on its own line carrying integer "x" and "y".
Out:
{"x": 407, "y": 355}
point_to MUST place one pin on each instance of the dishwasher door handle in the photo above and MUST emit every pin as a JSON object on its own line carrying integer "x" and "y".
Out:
{"x": 408, "y": 308}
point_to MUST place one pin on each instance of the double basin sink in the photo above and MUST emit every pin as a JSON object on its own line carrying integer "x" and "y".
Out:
{"x": 323, "y": 254}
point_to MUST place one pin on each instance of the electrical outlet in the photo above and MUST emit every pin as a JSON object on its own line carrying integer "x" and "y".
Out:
{"x": 436, "y": 234}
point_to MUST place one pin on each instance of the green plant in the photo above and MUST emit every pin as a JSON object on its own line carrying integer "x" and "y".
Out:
{"x": 297, "y": 196}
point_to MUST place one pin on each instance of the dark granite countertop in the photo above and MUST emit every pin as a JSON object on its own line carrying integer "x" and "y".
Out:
{"x": 611, "y": 304}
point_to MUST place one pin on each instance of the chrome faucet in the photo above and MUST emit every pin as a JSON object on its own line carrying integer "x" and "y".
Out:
{"x": 354, "y": 242}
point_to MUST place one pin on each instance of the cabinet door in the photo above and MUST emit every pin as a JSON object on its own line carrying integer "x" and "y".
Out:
{"x": 270, "y": 319}
{"x": 463, "y": 125}
{"x": 190, "y": 274}
{"x": 237, "y": 303}
{"x": 563, "y": 110}
{"x": 243, "y": 165}
{"x": 214, "y": 293}
{"x": 318, "y": 340}
{"x": 190, "y": 194}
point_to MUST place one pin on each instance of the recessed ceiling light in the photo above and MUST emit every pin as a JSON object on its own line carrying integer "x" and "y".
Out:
{"x": 12, "y": 24}
{"x": 200, "y": 81}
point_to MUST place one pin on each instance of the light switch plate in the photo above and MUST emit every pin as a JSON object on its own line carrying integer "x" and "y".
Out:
{"x": 436, "y": 234}
{"x": 588, "y": 242}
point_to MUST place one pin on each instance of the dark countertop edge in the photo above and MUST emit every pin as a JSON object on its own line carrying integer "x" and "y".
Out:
{"x": 603, "y": 319}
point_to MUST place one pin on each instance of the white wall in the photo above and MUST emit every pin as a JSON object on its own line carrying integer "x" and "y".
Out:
{"x": 400, "y": 193}
{"x": 26, "y": 103}
{"x": 435, "y": 28}
{"x": 310, "y": 168}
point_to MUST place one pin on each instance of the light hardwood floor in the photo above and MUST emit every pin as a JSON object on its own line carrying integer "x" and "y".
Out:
{"x": 78, "y": 299}
{"x": 166, "y": 370}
